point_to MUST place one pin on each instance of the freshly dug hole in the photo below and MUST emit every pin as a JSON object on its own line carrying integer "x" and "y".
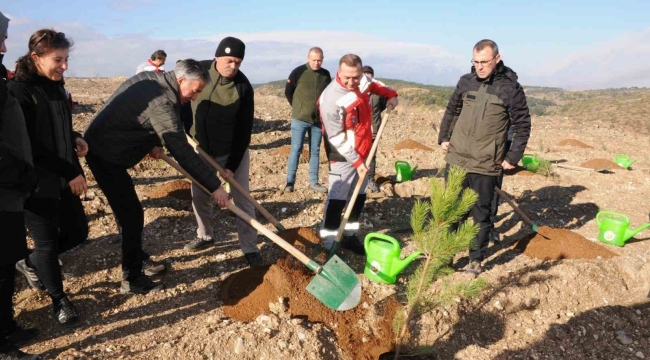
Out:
{"x": 248, "y": 294}
{"x": 561, "y": 244}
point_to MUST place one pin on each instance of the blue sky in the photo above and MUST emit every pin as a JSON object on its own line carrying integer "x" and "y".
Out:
{"x": 573, "y": 44}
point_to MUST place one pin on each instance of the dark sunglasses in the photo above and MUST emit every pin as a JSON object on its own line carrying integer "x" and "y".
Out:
{"x": 58, "y": 35}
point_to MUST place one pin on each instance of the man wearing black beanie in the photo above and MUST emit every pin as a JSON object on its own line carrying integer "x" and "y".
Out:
{"x": 223, "y": 123}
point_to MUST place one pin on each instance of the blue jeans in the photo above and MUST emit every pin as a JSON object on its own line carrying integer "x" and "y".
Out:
{"x": 298, "y": 130}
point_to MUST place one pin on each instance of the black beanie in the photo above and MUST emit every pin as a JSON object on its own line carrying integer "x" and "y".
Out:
{"x": 231, "y": 46}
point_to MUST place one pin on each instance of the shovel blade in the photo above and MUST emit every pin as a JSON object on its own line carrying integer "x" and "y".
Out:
{"x": 337, "y": 286}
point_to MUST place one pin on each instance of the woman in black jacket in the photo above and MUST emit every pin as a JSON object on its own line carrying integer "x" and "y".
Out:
{"x": 54, "y": 214}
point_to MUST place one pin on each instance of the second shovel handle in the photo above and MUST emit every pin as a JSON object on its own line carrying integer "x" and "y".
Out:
{"x": 249, "y": 220}
{"x": 514, "y": 207}
{"x": 235, "y": 184}
{"x": 357, "y": 188}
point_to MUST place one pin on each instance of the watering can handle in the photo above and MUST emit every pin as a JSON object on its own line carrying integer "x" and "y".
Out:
{"x": 400, "y": 162}
{"x": 602, "y": 213}
{"x": 379, "y": 236}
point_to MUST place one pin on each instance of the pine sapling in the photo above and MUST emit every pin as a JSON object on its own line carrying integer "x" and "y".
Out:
{"x": 431, "y": 223}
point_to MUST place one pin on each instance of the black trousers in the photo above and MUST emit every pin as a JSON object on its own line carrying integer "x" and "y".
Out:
{"x": 481, "y": 211}
{"x": 117, "y": 185}
{"x": 495, "y": 201}
{"x": 13, "y": 237}
{"x": 55, "y": 225}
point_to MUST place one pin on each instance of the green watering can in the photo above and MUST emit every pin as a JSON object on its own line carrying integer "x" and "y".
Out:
{"x": 623, "y": 161}
{"x": 382, "y": 258}
{"x": 530, "y": 162}
{"x": 614, "y": 228}
{"x": 404, "y": 171}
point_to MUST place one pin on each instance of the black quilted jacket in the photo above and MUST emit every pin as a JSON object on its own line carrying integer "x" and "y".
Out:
{"x": 144, "y": 112}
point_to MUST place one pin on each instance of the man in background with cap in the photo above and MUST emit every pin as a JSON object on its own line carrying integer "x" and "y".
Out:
{"x": 378, "y": 104}
{"x": 304, "y": 86}
{"x": 223, "y": 123}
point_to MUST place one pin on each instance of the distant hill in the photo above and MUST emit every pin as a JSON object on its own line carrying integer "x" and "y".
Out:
{"x": 624, "y": 106}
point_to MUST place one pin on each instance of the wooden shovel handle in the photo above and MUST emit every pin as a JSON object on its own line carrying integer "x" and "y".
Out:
{"x": 357, "y": 188}
{"x": 574, "y": 167}
{"x": 235, "y": 184}
{"x": 514, "y": 207}
{"x": 249, "y": 220}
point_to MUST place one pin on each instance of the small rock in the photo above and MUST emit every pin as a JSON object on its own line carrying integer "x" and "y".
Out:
{"x": 529, "y": 331}
{"x": 498, "y": 305}
{"x": 365, "y": 305}
{"x": 284, "y": 209}
{"x": 623, "y": 338}
{"x": 640, "y": 355}
{"x": 239, "y": 345}
{"x": 570, "y": 314}
{"x": 531, "y": 303}
{"x": 301, "y": 336}
{"x": 638, "y": 312}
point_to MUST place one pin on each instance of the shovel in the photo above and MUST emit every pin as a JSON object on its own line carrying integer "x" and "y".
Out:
{"x": 518, "y": 210}
{"x": 234, "y": 183}
{"x": 357, "y": 189}
{"x": 336, "y": 285}
{"x": 601, "y": 170}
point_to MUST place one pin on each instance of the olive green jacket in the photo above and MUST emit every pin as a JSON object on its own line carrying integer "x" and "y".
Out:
{"x": 477, "y": 119}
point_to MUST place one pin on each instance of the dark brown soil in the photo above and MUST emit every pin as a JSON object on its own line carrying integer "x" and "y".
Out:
{"x": 561, "y": 244}
{"x": 600, "y": 164}
{"x": 409, "y": 144}
{"x": 179, "y": 189}
{"x": 304, "y": 239}
{"x": 248, "y": 293}
{"x": 575, "y": 143}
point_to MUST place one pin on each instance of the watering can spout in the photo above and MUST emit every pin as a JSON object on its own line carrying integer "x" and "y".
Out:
{"x": 629, "y": 233}
{"x": 402, "y": 264}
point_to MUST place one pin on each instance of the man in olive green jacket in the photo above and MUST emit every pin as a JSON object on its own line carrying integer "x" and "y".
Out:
{"x": 304, "y": 86}
{"x": 474, "y": 130}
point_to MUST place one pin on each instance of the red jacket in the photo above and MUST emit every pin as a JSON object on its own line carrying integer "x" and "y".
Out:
{"x": 346, "y": 118}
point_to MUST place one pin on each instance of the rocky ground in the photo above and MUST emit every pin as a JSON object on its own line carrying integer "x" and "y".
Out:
{"x": 532, "y": 309}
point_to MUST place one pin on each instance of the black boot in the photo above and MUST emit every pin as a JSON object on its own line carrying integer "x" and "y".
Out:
{"x": 64, "y": 312}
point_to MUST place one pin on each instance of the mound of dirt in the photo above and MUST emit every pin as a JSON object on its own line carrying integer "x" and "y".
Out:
{"x": 600, "y": 164}
{"x": 409, "y": 144}
{"x": 362, "y": 333}
{"x": 575, "y": 143}
{"x": 304, "y": 239}
{"x": 179, "y": 189}
{"x": 284, "y": 151}
{"x": 561, "y": 244}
